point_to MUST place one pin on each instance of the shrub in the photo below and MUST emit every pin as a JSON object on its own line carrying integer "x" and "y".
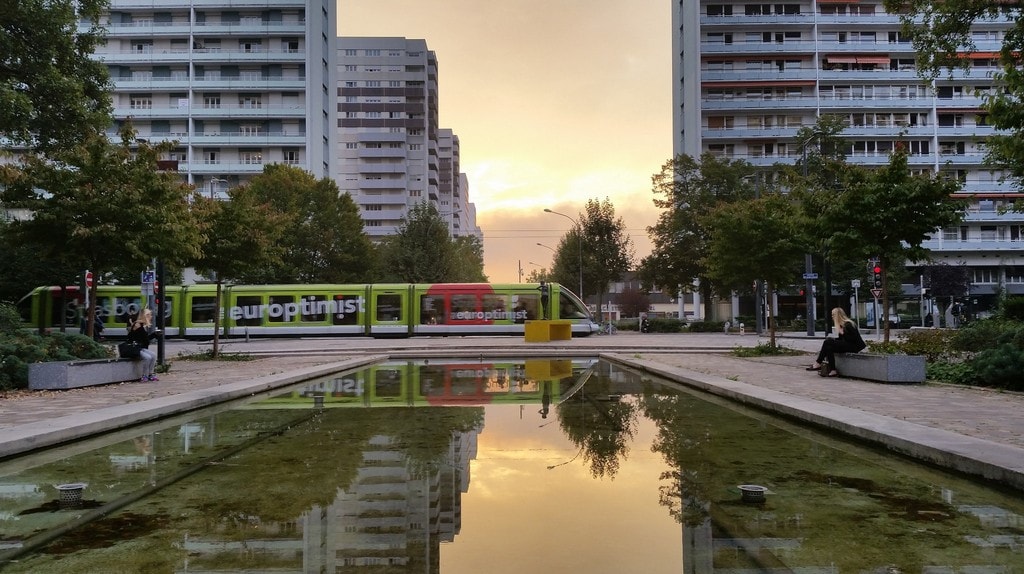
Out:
{"x": 1013, "y": 308}
{"x": 665, "y": 325}
{"x": 935, "y": 344}
{"x": 960, "y": 373}
{"x": 706, "y": 326}
{"x": 890, "y": 348}
{"x": 977, "y": 336}
{"x": 10, "y": 321}
{"x": 1000, "y": 367}
{"x": 764, "y": 350}
{"x": 20, "y": 348}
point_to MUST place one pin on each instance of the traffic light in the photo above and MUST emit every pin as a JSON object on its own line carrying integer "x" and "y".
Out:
{"x": 876, "y": 270}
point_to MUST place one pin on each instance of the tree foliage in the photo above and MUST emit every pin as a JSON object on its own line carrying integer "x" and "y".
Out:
{"x": 467, "y": 260}
{"x": 52, "y": 92}
{"x": 756, "y": 239}
{"x": 244, "y": 239}
{"x": 607, "y": 250}
{"x": 687, "y": 190}
{"x": 322, "y": 237}
{"x": 422, "y": 251}
{"x": 941, "y": 34}
{"x": 102, "y": 204}
{"x": 889, "y": 212}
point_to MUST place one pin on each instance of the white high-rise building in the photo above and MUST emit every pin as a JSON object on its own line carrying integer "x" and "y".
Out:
{"x": 748, "y": 76}
{"x": 392, "y": 155}
{"x": 238, "y": 84}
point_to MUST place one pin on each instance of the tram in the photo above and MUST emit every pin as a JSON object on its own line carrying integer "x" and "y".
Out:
{"x": 374, "y": 310}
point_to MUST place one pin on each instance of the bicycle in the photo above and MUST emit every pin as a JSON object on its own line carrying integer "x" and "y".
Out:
{"x": 607, "y": 328}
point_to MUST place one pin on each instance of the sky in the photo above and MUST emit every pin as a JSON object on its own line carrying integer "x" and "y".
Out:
{"x": 555, "y": 102}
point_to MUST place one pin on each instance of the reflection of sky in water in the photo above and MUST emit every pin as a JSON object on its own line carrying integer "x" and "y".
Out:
{"x": 559, "y": 520}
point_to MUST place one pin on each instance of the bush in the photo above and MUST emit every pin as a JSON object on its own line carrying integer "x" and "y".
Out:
{"x": 665, "y": 325}
{"x": 10, "y": 321}
{"x": 764, "y": 350}
{"x": 935, "y": 344}
{"x": 978, "y": 336}
{"x": 20, "y": 348}
{"x": 706, "y": 326}
{"x": 1000, "y": 367}
{"x": 1013, "y": 309}
{"x": 958, "y": 373}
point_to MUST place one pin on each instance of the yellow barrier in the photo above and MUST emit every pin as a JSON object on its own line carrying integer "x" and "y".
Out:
{"x": 544, "y": 331}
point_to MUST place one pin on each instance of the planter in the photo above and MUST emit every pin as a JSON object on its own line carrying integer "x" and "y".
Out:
{"x": 882, "y": 367}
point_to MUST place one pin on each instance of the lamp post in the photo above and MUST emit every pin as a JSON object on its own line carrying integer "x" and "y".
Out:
{"x": 213, "y": 185}
{"x": 579, "y": 238}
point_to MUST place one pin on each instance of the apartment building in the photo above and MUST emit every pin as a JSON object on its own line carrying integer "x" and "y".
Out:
{"x": 392, "y": 154}
{"x": 236, "y": 83}
{"x": 749, "y": 75}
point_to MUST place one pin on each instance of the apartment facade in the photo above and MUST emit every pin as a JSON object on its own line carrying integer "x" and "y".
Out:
{"x": 748, "y": 76}
{"x": 238, "y": 84}
{"x": 392, "y": 154}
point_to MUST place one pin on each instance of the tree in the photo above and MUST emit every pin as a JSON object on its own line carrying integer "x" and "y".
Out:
{"x": 772, "y": 223}
{"x": 244, "y": 237}
{"x": 607, "y": 248}
{"x": 102, "y": 204}
{"x": 633, "y": 301}
{"x": 467, "y": 260}
{"x": 687, "y": 190}
{"x": 421, "y": 250}
{"x": 888, "y": 213}
{"x": 941, "y": 34}
{"x": 53, "y": 94}
{"x": 322, "y": 234}
{"x": 538, "y": 275}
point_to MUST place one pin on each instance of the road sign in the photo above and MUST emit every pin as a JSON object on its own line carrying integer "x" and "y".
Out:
{"x": 876, "y": 293}
{"x": 855, "y": 283}
{"x": 810, "y": 275}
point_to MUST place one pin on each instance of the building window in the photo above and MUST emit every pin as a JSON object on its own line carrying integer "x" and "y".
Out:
{"x": 249, "y": 130}
{"x": 250, "y": 102}
{"x": 251, "y": 157}
{"x": 291, "y": 157}
{"x": 249, "y": 46}
{"x": 211, "y": 157}
{"x": 140, "y": 101}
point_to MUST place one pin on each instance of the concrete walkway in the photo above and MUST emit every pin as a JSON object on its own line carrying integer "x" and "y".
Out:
{"x": 976, "y": 431}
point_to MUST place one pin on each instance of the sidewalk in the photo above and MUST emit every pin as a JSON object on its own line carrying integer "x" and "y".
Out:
{"x": 978, "y": 431}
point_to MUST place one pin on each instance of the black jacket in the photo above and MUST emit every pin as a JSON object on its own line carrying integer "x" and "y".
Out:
{"x": 141, "y": 335}
{"x": 851, "y": 338}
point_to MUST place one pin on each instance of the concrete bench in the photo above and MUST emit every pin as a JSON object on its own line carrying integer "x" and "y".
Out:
{"x": 62, "y": 375}
{"x": 881, "y": 368}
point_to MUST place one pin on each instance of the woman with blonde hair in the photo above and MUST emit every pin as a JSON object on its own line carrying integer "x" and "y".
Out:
{"x": 847, "y": 341}
{"x": 140, "y": 332}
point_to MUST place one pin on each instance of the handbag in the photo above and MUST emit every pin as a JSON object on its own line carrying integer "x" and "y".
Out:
{"x": 128, "y": 350}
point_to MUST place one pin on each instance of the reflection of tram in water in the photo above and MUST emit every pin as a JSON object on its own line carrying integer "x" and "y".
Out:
{"x": 443, "y": 383}
{"x": 377, "y": 310}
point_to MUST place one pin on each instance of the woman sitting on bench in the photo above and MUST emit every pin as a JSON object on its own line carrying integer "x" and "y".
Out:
{"x": 847, "y": 341}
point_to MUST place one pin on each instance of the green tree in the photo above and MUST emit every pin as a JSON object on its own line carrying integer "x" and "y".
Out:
{"x": 52, "y": 92}
{"x": 607, "y": 248}
{"x": 772, "y": 223}
{"x": 686, "y": 190}
{"x": 322, "y": 236}
{"x": 244, "y": 238}
{"x": 889, "y": 212}
{"x": 421, "y": 250}
{"x": 568, "y": 258}
{"x": 538, "y": 275}
{"x": 467, "y": 260}
{"x": 101, "y": 204}
{"x": 941, "y": 34}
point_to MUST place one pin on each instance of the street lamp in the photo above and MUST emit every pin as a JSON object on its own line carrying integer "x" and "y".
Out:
{"x": 579, "y": 237}
{"x": 213, "y": 184}
{"x": 548, "y": 247}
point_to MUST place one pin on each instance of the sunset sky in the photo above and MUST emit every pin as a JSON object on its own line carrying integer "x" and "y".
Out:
{"x": 554, "y": 101}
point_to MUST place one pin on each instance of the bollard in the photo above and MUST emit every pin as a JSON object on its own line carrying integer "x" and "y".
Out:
{"x": 725, "y": 327}
{"x": 743, "y": 330}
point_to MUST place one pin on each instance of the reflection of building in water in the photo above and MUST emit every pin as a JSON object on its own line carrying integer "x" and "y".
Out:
{"x": 394, "y": 514}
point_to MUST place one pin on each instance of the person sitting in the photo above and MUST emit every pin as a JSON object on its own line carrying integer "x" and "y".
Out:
{"x": 848, "y": 341}
{"x": 140, "y": 332}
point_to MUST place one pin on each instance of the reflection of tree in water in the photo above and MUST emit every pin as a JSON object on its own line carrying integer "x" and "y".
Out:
{"x": 600, "y": 424}
{"x": 684, "y": 439}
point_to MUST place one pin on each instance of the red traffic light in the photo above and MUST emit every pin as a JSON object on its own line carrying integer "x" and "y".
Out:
{"x": 877, "y": 269}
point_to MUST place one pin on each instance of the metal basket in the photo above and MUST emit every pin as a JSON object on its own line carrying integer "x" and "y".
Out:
{"x": 70, "y": 494}
{"x": 752, "y": 492}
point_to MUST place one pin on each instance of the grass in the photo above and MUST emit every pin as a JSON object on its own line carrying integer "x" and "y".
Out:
{"x": 208, "y": 356}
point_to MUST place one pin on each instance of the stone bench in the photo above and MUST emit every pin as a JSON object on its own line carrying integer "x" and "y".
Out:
{"x": 62, "y": 375}
{"x": 882, "y": 368}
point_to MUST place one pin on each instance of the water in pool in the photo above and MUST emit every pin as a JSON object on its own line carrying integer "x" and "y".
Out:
{"x": 494, "y": 467}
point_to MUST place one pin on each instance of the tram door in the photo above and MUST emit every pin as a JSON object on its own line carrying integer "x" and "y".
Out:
{"x": 389, "y": 311}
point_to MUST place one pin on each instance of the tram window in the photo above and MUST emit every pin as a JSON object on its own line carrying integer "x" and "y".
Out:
{"x": 202, "y": 309}
{"x": 282, "y": 309}
{"x": 431, "y": 309}
{"x": 464, "y": 307}
{"x": 527, "y": 307}
{"x": 389, "y": 307}
{"x": 346, "y": 310}
{"x": 314, "y": 308}
{"x": 387, "y": 383}
{"x": 250, "y": 310}
{"x": 567, "y": 308}
{"x": 495, "y": 307}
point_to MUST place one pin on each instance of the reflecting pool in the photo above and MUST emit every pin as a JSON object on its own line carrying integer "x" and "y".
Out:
{"x": 494, "y": 467}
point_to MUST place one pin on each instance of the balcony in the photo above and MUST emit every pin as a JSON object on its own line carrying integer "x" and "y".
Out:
{"x": 203, "y": 4}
